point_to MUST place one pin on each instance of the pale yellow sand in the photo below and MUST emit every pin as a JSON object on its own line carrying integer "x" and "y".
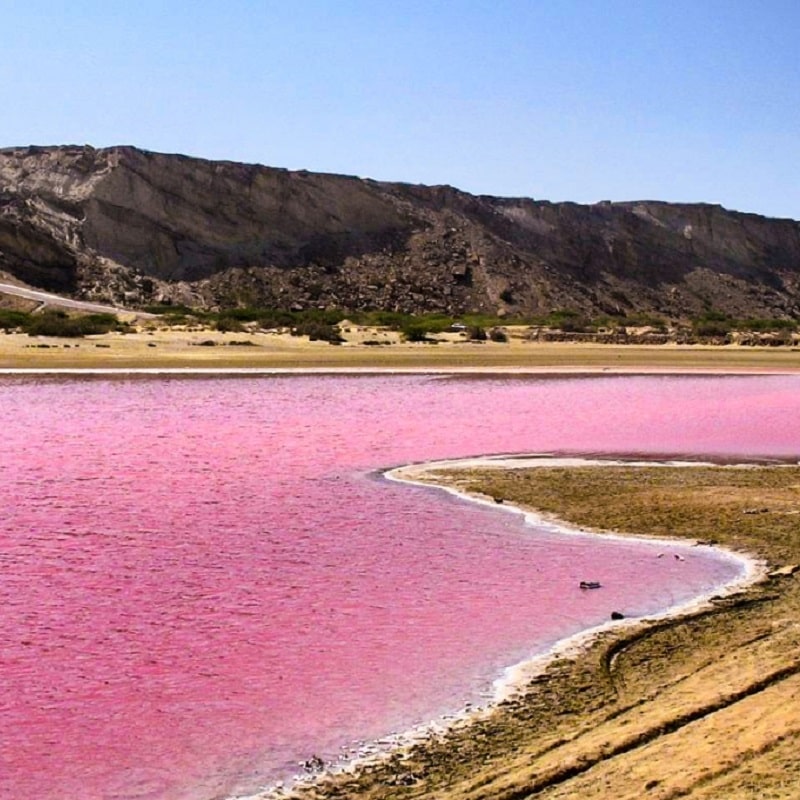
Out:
{"x": 189, "y": 349}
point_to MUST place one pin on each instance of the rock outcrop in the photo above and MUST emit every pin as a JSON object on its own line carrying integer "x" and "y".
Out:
{"x": 122, "y": 225}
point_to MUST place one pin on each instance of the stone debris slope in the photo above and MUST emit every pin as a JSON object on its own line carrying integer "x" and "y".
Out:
{"x": 125, "y": 226}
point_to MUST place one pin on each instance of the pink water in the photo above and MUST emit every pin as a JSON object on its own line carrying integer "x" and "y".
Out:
{"x": 205, "y": 581}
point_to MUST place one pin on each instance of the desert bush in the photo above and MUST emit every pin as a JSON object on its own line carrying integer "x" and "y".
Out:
{"x": 318, "y": 332}
{"x": 58, "y": 323}
{"x": 226, "y": 324}
{"x": 712, "y": 324}
{"x": 477, "y": 334}
{"x": 415, "y": 332}
{"x": 13, "y": 320}
{"x": 767, "y": 325}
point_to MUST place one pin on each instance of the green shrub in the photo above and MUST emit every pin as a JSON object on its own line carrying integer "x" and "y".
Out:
{"x": 58, "y": 323}
{"x": 168, "y": 309}
{"x": 712, "y": 324}
{"x": 714, "y": 316}
{"x": 318, "y": 332}
{"x": 415, "y": 332}
{"x": 711, "y": 328}
{"x": 767, "y": 325}
{"x": 228, "y": 324}
{"x": 477, "y": 334}
{"x": 13, "y": 320}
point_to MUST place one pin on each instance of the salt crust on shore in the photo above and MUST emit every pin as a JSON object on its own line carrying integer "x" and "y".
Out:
{"x": 517, "y": 676}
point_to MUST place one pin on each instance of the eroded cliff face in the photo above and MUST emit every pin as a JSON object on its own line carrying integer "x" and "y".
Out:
{"x": 125, "y": 225}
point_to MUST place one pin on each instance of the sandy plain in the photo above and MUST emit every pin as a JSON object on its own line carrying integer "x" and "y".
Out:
{"x": 164, "y": 348}
{"x": 701, "y": 706}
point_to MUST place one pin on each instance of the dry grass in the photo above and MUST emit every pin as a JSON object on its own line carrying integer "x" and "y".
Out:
{"x": 705, "y": 706}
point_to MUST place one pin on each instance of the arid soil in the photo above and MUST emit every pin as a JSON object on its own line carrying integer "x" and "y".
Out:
{"x": 702, "y": 706}
{"x": 170, "y": 348}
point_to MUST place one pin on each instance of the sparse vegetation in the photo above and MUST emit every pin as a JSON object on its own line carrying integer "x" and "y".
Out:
{"x": 711, "y": 326}
{"x": 767, "y": 325}
{"x": 13, "y": 320}
{"x": 416, "y": 332}
{"x": 59, "y": 323}
{"x": 477, "y": 334}
{"x": 385, "y": 327}
{"x": 318, "y": 331}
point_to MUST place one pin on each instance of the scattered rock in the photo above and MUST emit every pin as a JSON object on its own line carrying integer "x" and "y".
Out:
{"x": 403, "y": 779}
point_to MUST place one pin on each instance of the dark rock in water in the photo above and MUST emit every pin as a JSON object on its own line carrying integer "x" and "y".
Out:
{"x": 314, "y": 764}
{"x": 617, "y": 615}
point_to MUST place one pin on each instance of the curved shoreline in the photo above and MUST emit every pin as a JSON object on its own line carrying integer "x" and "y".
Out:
{"x": 516, "y": 676}
{"x": 752, "y": 570}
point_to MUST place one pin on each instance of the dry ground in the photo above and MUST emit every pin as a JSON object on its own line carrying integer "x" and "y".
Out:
{"x": 704, "y": 706}
{"x": 169, "y": 348}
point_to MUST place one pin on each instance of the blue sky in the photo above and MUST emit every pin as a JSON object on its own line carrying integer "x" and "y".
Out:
{"x": 580, "y": 100}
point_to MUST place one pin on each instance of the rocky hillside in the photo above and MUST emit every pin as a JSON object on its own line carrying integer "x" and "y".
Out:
{"x": 127, "y": 226}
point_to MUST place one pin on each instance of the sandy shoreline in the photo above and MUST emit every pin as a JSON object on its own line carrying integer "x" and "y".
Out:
{"x": 751, "y": 570}
{"x": 517, "y": 676}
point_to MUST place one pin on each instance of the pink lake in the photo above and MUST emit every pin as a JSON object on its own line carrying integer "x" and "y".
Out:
{"x": 205, "y": 581}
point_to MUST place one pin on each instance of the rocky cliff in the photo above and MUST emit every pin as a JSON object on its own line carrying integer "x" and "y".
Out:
{"x": 128, "y": 226}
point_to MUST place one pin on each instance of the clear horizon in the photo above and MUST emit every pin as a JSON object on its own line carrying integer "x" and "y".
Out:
{"x": 577, "y": 101}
